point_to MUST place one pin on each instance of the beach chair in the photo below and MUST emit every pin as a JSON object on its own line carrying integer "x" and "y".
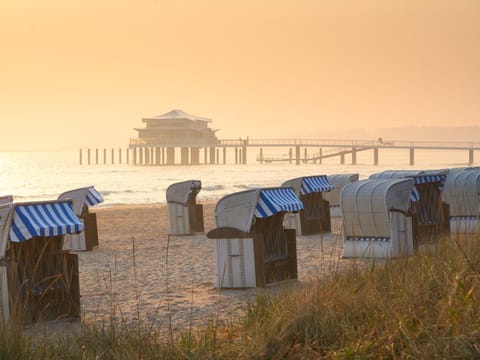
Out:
{"x": 184, "y": 214}
{"x": 315, "y": 217}
{"x": 82, "y": 199}
{"x": 431, "y": 214}
{"x": 376, "y": 221}
{"x": 38, "y": 279}
{"x": 462, "y": 193}
{"x": 252, "y": 248}
{"x": 333, "y": 197}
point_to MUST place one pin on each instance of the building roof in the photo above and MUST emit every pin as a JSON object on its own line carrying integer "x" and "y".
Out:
{"x": 179, "y": 114}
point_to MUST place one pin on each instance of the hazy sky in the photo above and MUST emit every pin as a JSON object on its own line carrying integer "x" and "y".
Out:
{"x": 83, "y": 73}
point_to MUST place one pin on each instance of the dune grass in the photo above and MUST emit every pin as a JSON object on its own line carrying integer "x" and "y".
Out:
{"x": 424, "y": 306}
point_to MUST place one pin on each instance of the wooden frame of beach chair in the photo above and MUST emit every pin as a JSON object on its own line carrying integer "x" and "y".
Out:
{"x": 376, "y": 221}
{"x": 39, "y": 280}
{"x": 251, "y": 251}
{"x": 315, "y": 217}
{"x": 184, "y": 214}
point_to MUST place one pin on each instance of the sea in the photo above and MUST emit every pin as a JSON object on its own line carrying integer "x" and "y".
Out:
{"x": 34, "y": 176}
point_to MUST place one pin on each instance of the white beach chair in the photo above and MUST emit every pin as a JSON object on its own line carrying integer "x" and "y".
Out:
{"x": 252, "y": 248}
{"x": 82, "y": 199}
{"x": 185, "y": 215}
{"x": 376, "y": 221}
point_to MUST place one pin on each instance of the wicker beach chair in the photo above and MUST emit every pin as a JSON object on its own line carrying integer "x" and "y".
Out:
{"x": 83, "y": 199}
{"x": 38, "y": 279}
{"x": 333, "y": 197}
{"x": 376, "y": 221}
{"x": 184, "y": 214}
{"x": 252, "y": 248}
{"x": 315, "y": 217}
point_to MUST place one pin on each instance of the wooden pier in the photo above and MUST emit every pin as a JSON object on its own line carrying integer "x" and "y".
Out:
{"x": 145, "y": 152}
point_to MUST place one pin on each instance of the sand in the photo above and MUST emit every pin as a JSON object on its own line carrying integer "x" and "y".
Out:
{"x": 134, "y": 276}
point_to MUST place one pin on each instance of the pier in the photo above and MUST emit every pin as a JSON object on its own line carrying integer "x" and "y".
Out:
{"x": 147, "y": 152}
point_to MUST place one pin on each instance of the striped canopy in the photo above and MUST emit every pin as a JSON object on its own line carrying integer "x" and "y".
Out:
{"x": 272, "y": 201}
{"x": 43, "y": 219}
{"x": 414, "y": 195}
{"x": 311, "y": 184}
{"x": 426, "y": 179}
{"x": 93, "y": 197}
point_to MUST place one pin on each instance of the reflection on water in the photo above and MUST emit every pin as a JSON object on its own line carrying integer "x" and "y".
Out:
{"x": 44, "y": 175}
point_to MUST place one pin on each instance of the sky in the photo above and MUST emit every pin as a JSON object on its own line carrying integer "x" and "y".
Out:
{"x": 83, "y": 73}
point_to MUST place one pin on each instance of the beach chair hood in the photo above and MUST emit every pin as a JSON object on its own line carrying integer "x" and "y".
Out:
{"x": 338, "y": 181}
{"x": 88, "y": 196}
{"x": 180, "y": 192}
{"x": 462, "y": 191}
{"x": 366, "y": 205}
{"x": 238, "y": 210}
{"x": 48, "y": 218}
{"x": 309, "y": 184}
{"x": 418, "y": 177}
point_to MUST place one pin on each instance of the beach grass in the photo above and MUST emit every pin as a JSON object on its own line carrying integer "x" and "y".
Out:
{"x": 424, "y": 306}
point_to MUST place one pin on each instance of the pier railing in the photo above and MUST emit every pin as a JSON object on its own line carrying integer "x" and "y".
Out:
{"x": 399, "y": 144}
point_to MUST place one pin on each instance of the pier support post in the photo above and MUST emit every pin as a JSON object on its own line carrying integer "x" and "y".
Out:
{"x": 134, "y": 156}
{"x": 297, "y": 155}
{"x": 261, "y": 156}
{"x": 96, "y": 156}
{"x": 140, "y": 155}
{"x": 205, "y": 155}
{"x": 170, "y": 156}
{"x": 290, "y": 155}
{"x": 236, "y": 155}
{"x": 80, "y": 156}
{"x": 104, "y": 156}
{"x": 119, "y": 156}
{"x": 157, "y": 156}
{"x": 342, "y": 158}
{"x": 305, "y": 156}
{"x": 412, "y": 155}
{"x": 320, "y": 155}
{"x": 470, "y": 156}
{"x": 224, "y": 155}
{"x": 244, "y": 152}
{"x": 354, "y": 155}
{"x": 148, "y": 157}
{"x": 184, "y": 155}
{"x": 127, "y": 152}
{"x": 375, "y": 156}
{"x": 88, "y": 156}
{"x": 194, "y": 156}
{"x": 212, "y": 155}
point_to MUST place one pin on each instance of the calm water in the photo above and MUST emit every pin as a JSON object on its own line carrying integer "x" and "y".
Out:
{"x": 44, "y": 175}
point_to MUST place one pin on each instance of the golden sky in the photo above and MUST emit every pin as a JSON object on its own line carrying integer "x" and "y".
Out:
{"x": 83, "y": 73}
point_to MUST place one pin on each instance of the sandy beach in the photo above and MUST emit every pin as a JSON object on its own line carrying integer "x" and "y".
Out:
{"x": 139, "y": 273}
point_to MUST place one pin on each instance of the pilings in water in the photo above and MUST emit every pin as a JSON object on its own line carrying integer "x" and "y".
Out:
{"x": 163, "y": 155}
{"x": 112, "y": 156}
